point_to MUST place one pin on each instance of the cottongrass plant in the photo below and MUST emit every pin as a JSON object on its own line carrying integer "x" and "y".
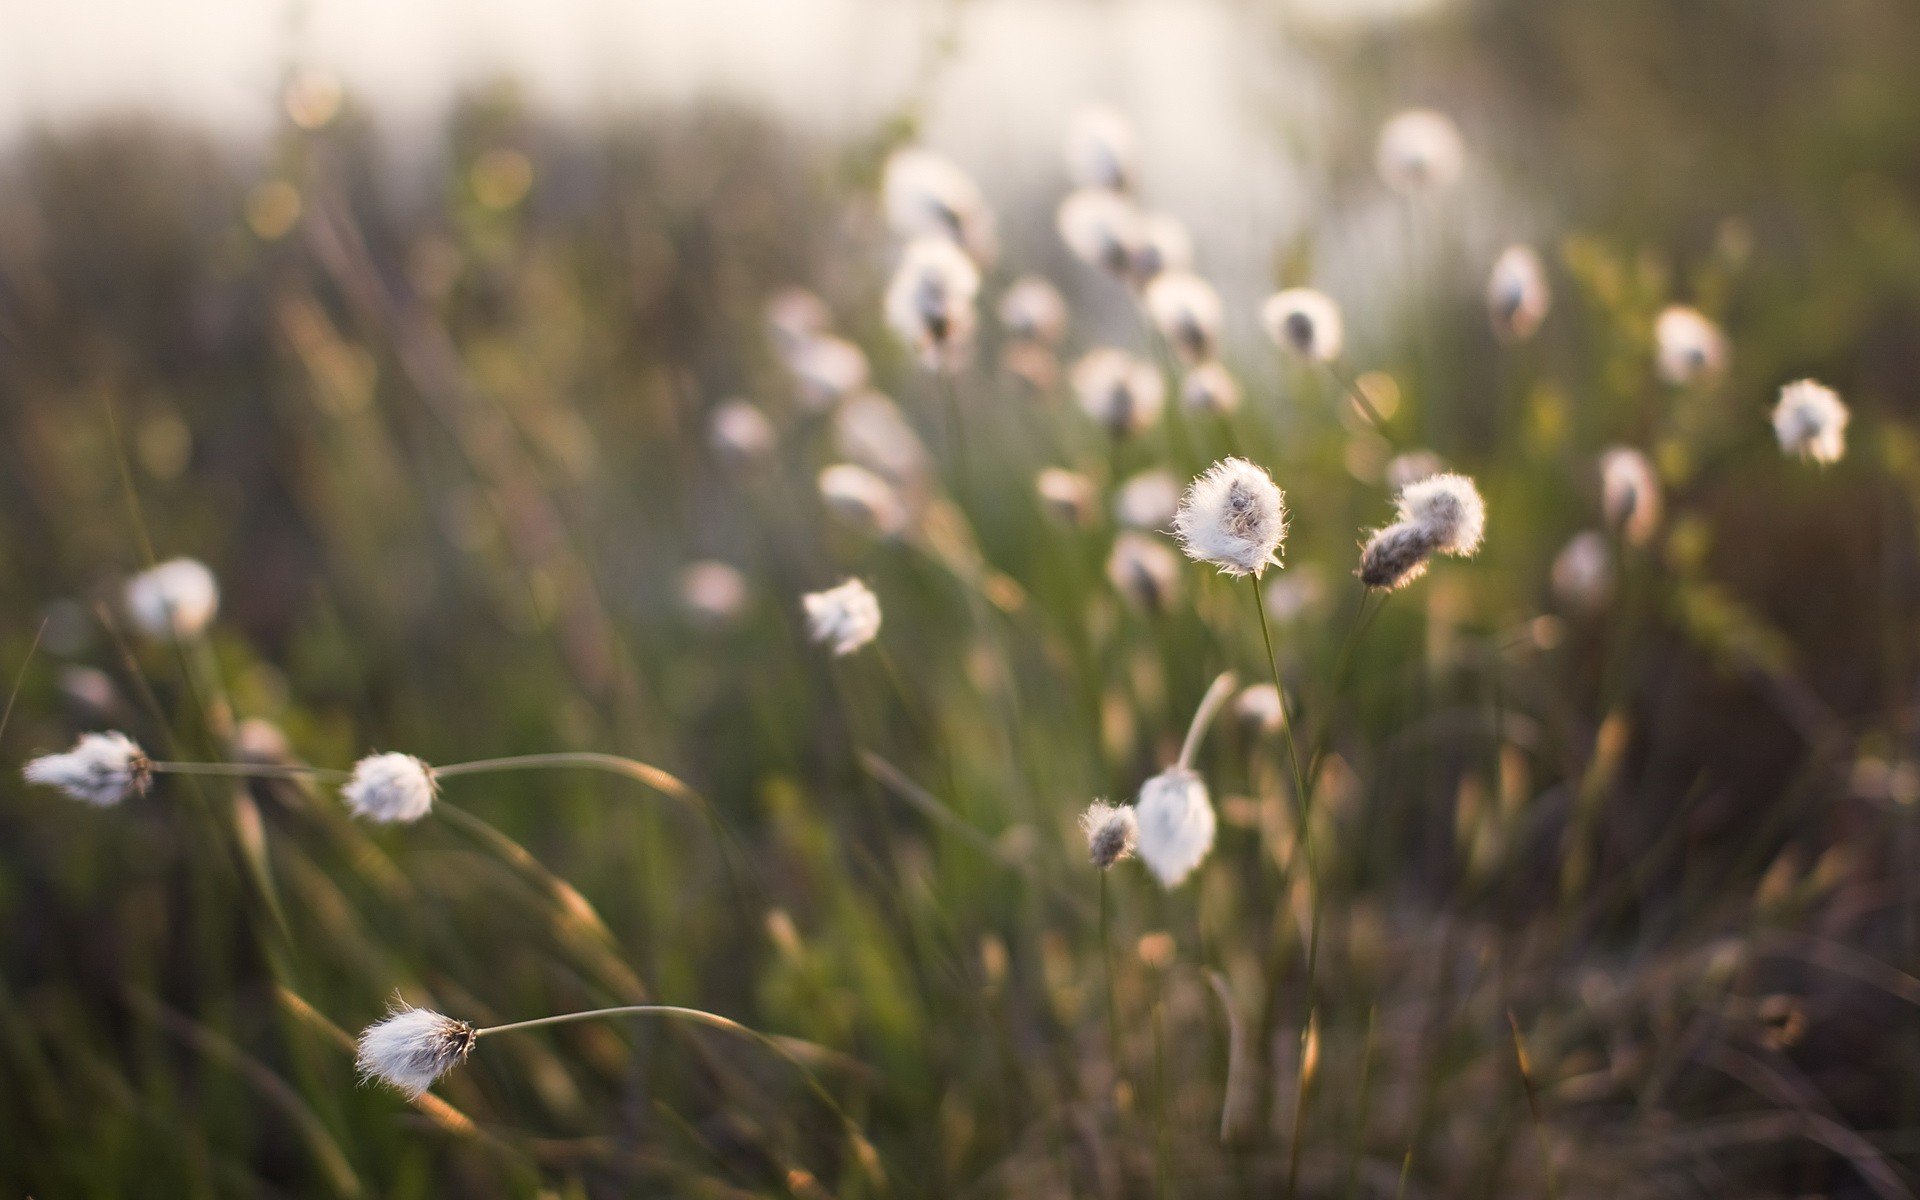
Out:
{"x": 1630, "y": 494}
{"x": 1186, "y": 311}
{"x": 1100, "y": 148}
{"x": 1419, "y": 152}
{"x": 175, "y": 600}
{"x": 102, "y": 769}
{"x": 1518, "y": 295}
{"x": 842, "y": 618}
{"x": 1688, "y": 348}
{"x": 1144, "y": 570}
{"x": 1810, "y": 420}
{"x": 1174, "y": 813}
{"x": 1121, "y": 393}
{"x": 1442, "y": 514}
{"x": 931, "y": 302}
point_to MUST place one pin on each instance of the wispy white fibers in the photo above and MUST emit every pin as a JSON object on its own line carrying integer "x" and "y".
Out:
{"x": 1395, "y": 556}
{"x": 1100, "y": 149}
{"x": 842, "y": 618}
{"x": 102, "y": 769}
{"x": 740, "y": 433}
{"x": 390, "y": 788}
{"x": 1419, "y": 151}
{"x": 713, "y": 594}
{"x": 1174, "y": 813}
{"x": 1066, "y": 496}
{"x": 1112, "y": 832}
{"x": 930, "y": 302}
{"x": 1688, "y": 348}
{"x": 1811, "y": 422}
{"x": 862, "y": 501}
{"x": 1103, "y": 229}
{"x": 1148, "y": 500}
{"x": 1518, "y": 294}
{"x": 926, "y": 195}
{"x": 1582, "y": 573}
{"x": 1629, "y": 494}
{"x": 1305, "y": 323}
{"x": 1186, "y": 310}
{"x": 1144, "y": 570}
{"x": 177, "y": 598}
{"x": 1449, "y": 508}
{"x": 1033, "y": 309}
{"x": 412, "y": 1048}
{"x": 1210, "y": 388}
{"x": 1234, "y": 517}
{"x": 1123, "y": 394}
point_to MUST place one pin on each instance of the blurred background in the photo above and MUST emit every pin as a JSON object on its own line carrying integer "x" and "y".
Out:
{"x": 412, "y": 323}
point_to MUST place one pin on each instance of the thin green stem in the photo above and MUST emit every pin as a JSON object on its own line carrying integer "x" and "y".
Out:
{"x": 247, "y": 770}
{"x": 1352, "y": 387}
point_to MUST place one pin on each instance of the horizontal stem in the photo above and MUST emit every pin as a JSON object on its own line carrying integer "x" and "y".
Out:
{"x": 247, "y": 770}
{"x": 652, "y": 776}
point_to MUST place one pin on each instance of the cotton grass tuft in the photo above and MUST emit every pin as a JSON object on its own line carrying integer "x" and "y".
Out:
{"x": 411, "y": 1048}
{"x": 1234, "y": 517}
{"x": 842, "y": 618}
{"x": 390, "y": 788}
{"x": 102, "y": 769}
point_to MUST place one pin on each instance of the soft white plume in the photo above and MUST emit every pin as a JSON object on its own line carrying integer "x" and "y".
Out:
{"x": 843, "y": 618}
{"x": 1420, "y": 150}
{"x": 1066, "y": 496}
{"x": 1234, "y": 517}
{"x": 740, "y": 433}
{"x": 1811, "y": 422}
{"x": 102, "y": 769}
{"x": 1629, "y": 494}
{"x": 1103, "y": 229}
{"x": 1033, "y": 309}
{"x": 1518, "y": 294}
{"x": 1144, "y": 570}
{"x": 713, "y": 593}
{"x": 1210, "y": 388}
{"x": 1687, "y": 346}
{"x": 390, "y": 788}
{"x": 1304, "y": 322}
{"x": 1148, "y": 500}
{"x": 1449, "y": 508}
{"x": 1583, "y": 571}
{"x": 1122, "y": 393}
{"x": 176, "y": 599}
{"x": 1186, "y": 310}
{"x": 1111, "y": 833}
{"x": 411, "y": 1048}
{"x": 930, "y": 302}
{"x": 1176, "y": 824}
{"x": 928, "y": 196}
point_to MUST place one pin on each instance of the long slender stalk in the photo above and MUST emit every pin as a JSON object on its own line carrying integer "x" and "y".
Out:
{"x": 1352, "y": 387}
{"x": 1113, "y": 1003}
{"x": 1533, "y": 1106}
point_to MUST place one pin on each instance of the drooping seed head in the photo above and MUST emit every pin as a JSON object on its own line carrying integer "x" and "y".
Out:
{"x": 1449, "y": 508}
{"x": 1234, "y": 517}
{"x": 930, "y": 303}
{"x": 1100, "y": 149}
{"x": 1518, "y": 294}
{"x": 1111, "y": 833}
{"x": 869, "y": 429}
{"x": 863, "y": 501}
{"x": 1148, "y": 500}
{"x": 927, "y": 196}
{"x": 1419, "y": 151}
{"x": 1186, "y": 310}
{"x": 176, "y": 599}
{"x": 1032, "y": 309}
{"x": 390, "y": 788}
{"x": 1304, "y": 323}
{"x": 842, "y": 618}
{"x": 1144, "y": 570}
{"x": 1811, "y": 422}
{"x": 102, "y": 769}
{"x": 713, "y": 594}
{"x": 1176, "y": 824}
{"x": 1066, "y": 496}
{"x": 1395, "y": 556}
{"x": 1582, "y": 572}
{"x": 411, "y": 1048}
{"x": 1629, "y": 494}
{"x": 740, "y": 433}
{"x": 1688, "y": 348}
{"x": 1123, "y": 394}
{"x": 1102, "y": 228}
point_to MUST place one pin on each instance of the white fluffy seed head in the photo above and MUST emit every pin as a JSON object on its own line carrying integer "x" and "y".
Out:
{"x": 1066, "y": 496}
{"x": 390, "y": 788}
{"x": 1518, "y": 294}
{"x": 927, "y": 196}
{"x": 712, "y": 593}
{"x": 1032, "y": 309}
{"x": 1582, "y": 574}
{"x": 1629, "y": 494}
{"x": 1395, "y": 556}
{"x": 1258, "y": 708}
{"x": 930, "y": 303}
{"x": 825, "y": 369}
{"x": 1419, "y": 151}
{"x": 795, "y": 316}
{"x": 102, "y": 769}
{"x": 842, "y": 618}
{"x": 1123, "y": 394}
{"x": 1165, "y": 245}
{"x": 1304, "y": 323}
{"x": 1449, "y": 508}
{"x": 1144, "y": 570}
{"x": 1186, "y": 310}
{"x": 1234, "y": 517}
{"x": 1102, "y": 228}
{"x": 1688, "y": 347}
{"x": 176, "y": 599}
{"x": 1811, "y": 422}
{"x": 863, "y": 501}
{"x": 1100, "y": 149}
{"x": 1148, "y": 500}
{"x": 869, "y": 429}
{"x": 740, "y": 433}
{"x": 1112, "y": 833}
{"x": 1210, "y": 388}
{"x": 1176, "y": 824}
{"x": 411, "y": 1048}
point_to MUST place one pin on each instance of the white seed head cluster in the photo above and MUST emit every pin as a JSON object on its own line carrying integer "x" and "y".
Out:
{"x": 1112, "y": 833}
{"x": 411, "y": 1048}
{"x": 930, "y": 302}
{"x": 1395, "y": 556}
{"x": 176, "y": 599}
{"x": 842, "y": 618}
{"x": 1304, "y": 323}
{"x": 1066, "y": 496}
{"x": 1449, "y": 508}
{"x": 1629, "y": 494}
{"x": 1582, "y": 574}
{"x": 1148, "y": 500}
{"x": 1518, "y": 294}
{"x": 1102, "y": 228}
{"x": 1688, "y": 348}
{"x": 1811, "y": 422}
{"x": 1234, "y": 517}
{"x": 740, "y": 433}
{"x": 927, "y": 196}
{"x": 825, "y": 370}
{"x": 870, "y": 430}
{"x": 1100, "y": 149}
{"x": 1144, "y": 570}
{"x": 102, "y": 769}
{"x": 863, "y": 501}
{"x": 1186, "y": 310}
{"x": 712, "y": 593}
{"x": 1419, "y": 151}
{"x": 1210, "y": 388}
{"x": 1033, "y": 309}
{"x": 390, "y": 788}
{"x": 1176, "y": 824}
{"x": 1123, "y": 394}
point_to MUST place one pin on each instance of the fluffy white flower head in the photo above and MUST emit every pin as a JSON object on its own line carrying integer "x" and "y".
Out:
{"x": 1144, "y": 570}
{"x": 1395, "y": 556}
{"x": 1687, "y": 346}
{"x": 1066, "y": 496}
{"x": 928, "y": 196}
{"x": 1304, "y": 322}
{"x": 1032, "y": 308}
{"x": 1100, "y": 148}
{"x": 740, "y": 433}
{"x": 843, "y": 618}
{"x": 1111, "y": 833}
{"x": 1176, "y": 824}
{"x": 411, "y": 1048}
{"x": 176, "y": 599}
{"x": 1420, "y": 150}
{"x": 1122, "y": 393}
{"x": 102, "y": 769}
{"x": 391, "y": 788}
{"x": 1811, "y": 422}
{"x": 713, "y": 593}
{"x": 1449, "y": 509}
{"x": 1210, "y": 388}
{"x": 1103, "y": 229}
{"x": 825, "y": 369}
{"x": 1518, "y": 295}
{"x": 1629, "y": 494}
{"x": 1187, "y": 312}
{"x": 1259, "y": 708}
{"x": 796, "y": 316}
{"x": 930, "y": 302}
{"x": 1582, "y": 573}
{"x": 1234, "y": 517}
